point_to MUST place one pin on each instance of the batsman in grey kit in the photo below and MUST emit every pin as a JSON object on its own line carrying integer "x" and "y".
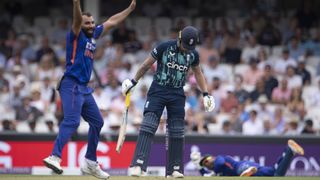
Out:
{"x": 174, "y": 58}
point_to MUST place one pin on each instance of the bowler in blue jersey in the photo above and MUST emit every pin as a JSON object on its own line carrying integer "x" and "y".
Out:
{"x": 76, "y": 96}
{"x": 222, "y": 165}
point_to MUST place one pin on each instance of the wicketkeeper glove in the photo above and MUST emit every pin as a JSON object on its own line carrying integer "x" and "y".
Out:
{"x": 208, "y": 102}
{"x": 127, "y": 85}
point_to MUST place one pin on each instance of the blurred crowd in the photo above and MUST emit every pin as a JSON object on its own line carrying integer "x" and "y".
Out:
{"x": 262, "y": 69}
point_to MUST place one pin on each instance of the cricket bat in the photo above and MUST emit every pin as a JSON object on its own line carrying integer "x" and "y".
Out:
{"x": 123, "y": 127}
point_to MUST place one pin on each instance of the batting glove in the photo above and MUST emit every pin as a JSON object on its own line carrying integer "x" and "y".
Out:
{"x": 208, "y": 102}
{"x": 127, "y": 86}
{"x": 195, "y": 159}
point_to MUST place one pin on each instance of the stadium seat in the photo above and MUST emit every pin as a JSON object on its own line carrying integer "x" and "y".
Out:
{"x": 276, "y": 51}
{"x": 241, "y": 69}
{"x": 163, "y": 25}
{"x": 42, "y": 22}
{"x": 142, "y": 25}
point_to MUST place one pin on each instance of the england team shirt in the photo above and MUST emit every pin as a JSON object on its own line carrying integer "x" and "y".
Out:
{"x": 172, "y": 64}
{"x": 80, "y": 52}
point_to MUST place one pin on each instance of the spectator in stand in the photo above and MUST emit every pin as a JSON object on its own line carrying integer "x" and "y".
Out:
{"x": 294, "y": 80}
{"x": 253, "y": 126}
{"x": 270, "y": 81}
{"x": 278, "y": 121}
{"x": 308, "y": 127}
{"x": 58, "y": 36}
{"x": 303, "y": 72}
{"x": 292, "y": 127}
{"x": 227, "y": 128}
{"x": 231, "y": 48}
{"x": 263, "y": 112}
{"x": 26, "y": 112}
{"x": 214, "y": 70}
{"x": 251, "y": 50}
{"x": 207, "y": 51}
{"x": 3, "y": 80}
{"x": 18, "y": 60}
{"x": 120, "y": 34}
{"x": 133, "y": 45}
{"x": 295, "y": 48}
{"x": 46, "y": 68}
{"x": 205, "y": 30}
{"x": 230, "y": 102}
{"x": 263, "y": 58}
{"x": 27, "y": 51}
{"x": 269, "y": 36}
{"x": 241, "y": 94}
{"x": 251, "y": 76}
{"x": 282, "y": 63}
{"x": 296, "y": 104}
{"x": 306, "y": 17}
{"x": 45, "y": 48}
{"x": 281, "y": 94}
{"x": 258, "y": 91}
{"x": 8, "y": 126}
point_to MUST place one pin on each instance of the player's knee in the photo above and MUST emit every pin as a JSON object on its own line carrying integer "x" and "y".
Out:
{"x": 68, "y": 122}
{"x": 176, "y": 128}
{"x": 150, "y": 123}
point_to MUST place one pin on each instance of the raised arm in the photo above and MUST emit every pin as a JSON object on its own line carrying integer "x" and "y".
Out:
{"x": 119, "y": 17}
{"x": 77, "y": 17}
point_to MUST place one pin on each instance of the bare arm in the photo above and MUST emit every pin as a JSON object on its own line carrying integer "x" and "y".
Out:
{"x": 145, "y": 66}
{"x": 200, "y": 78}
{"x": 119, "y": 17}
{"x": 77, "y": 17}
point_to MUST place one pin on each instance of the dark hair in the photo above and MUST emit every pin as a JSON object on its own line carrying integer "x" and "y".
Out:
{"x": 86, "y": 14}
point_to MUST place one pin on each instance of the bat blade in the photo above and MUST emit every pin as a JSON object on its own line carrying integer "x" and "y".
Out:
{"x": 123, "y": 127}
{"x": 122, "y": 131}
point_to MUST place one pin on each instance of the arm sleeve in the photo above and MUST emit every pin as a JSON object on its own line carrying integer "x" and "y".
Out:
{"x": 196, "y": 59}
{"x": 98, "y": 31}
{"x": 218, "y": 164}
{"x": 158, "y": 51}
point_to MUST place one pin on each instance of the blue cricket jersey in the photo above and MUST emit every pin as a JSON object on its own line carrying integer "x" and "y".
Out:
{"x": 226, "y": 166}
{"x": 172, "y": 64}
{"x": 79, "y": 57}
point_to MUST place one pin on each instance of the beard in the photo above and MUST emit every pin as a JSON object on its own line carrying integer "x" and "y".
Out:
{"x": 88, "y": 32}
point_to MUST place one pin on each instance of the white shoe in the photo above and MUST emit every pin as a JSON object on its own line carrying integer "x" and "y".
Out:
{"x": 295, "y": 147}
{"x": 53, "y": 162}
{"x": 136, "y": 171}
{"x": 249, "y": 171}
{"x": 93, "y": 168}
{"x": 176, "y": 174}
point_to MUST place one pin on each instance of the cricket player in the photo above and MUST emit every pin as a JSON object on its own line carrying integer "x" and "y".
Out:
{"x": 174, "y": 58}
{"x": 227, "y": 166}
{"x": 76, "y": 96}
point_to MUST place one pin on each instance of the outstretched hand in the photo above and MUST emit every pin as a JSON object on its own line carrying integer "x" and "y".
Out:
{"x": 133, "y": 5}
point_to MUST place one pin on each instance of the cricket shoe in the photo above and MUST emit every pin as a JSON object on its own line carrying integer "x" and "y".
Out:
{"x": 136, "y": 171}
{"x": 249, "y": 171}
{"x": 93, "y": 168}
{"x": 176, "y": 174}
{"x": 295, "y": 147}
{"x": 53, "y": 162}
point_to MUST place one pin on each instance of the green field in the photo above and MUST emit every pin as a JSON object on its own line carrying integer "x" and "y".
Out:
{"x": 30, "y": 177}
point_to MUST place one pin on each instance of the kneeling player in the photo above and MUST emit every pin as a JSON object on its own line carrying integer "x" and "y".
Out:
{"x": 227, "y": 166}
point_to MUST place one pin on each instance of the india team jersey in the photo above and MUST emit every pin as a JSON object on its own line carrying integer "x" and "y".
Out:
{"x": 225, "y": 166}
{"x": 79, "y": 57}
{"x": 172, "y": 64}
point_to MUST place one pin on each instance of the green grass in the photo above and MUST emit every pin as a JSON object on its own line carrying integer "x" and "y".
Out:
{"x": 56, "y": 177}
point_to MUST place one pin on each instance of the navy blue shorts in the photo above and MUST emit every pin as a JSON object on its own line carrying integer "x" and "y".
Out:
{"x": 160, "y": 97}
